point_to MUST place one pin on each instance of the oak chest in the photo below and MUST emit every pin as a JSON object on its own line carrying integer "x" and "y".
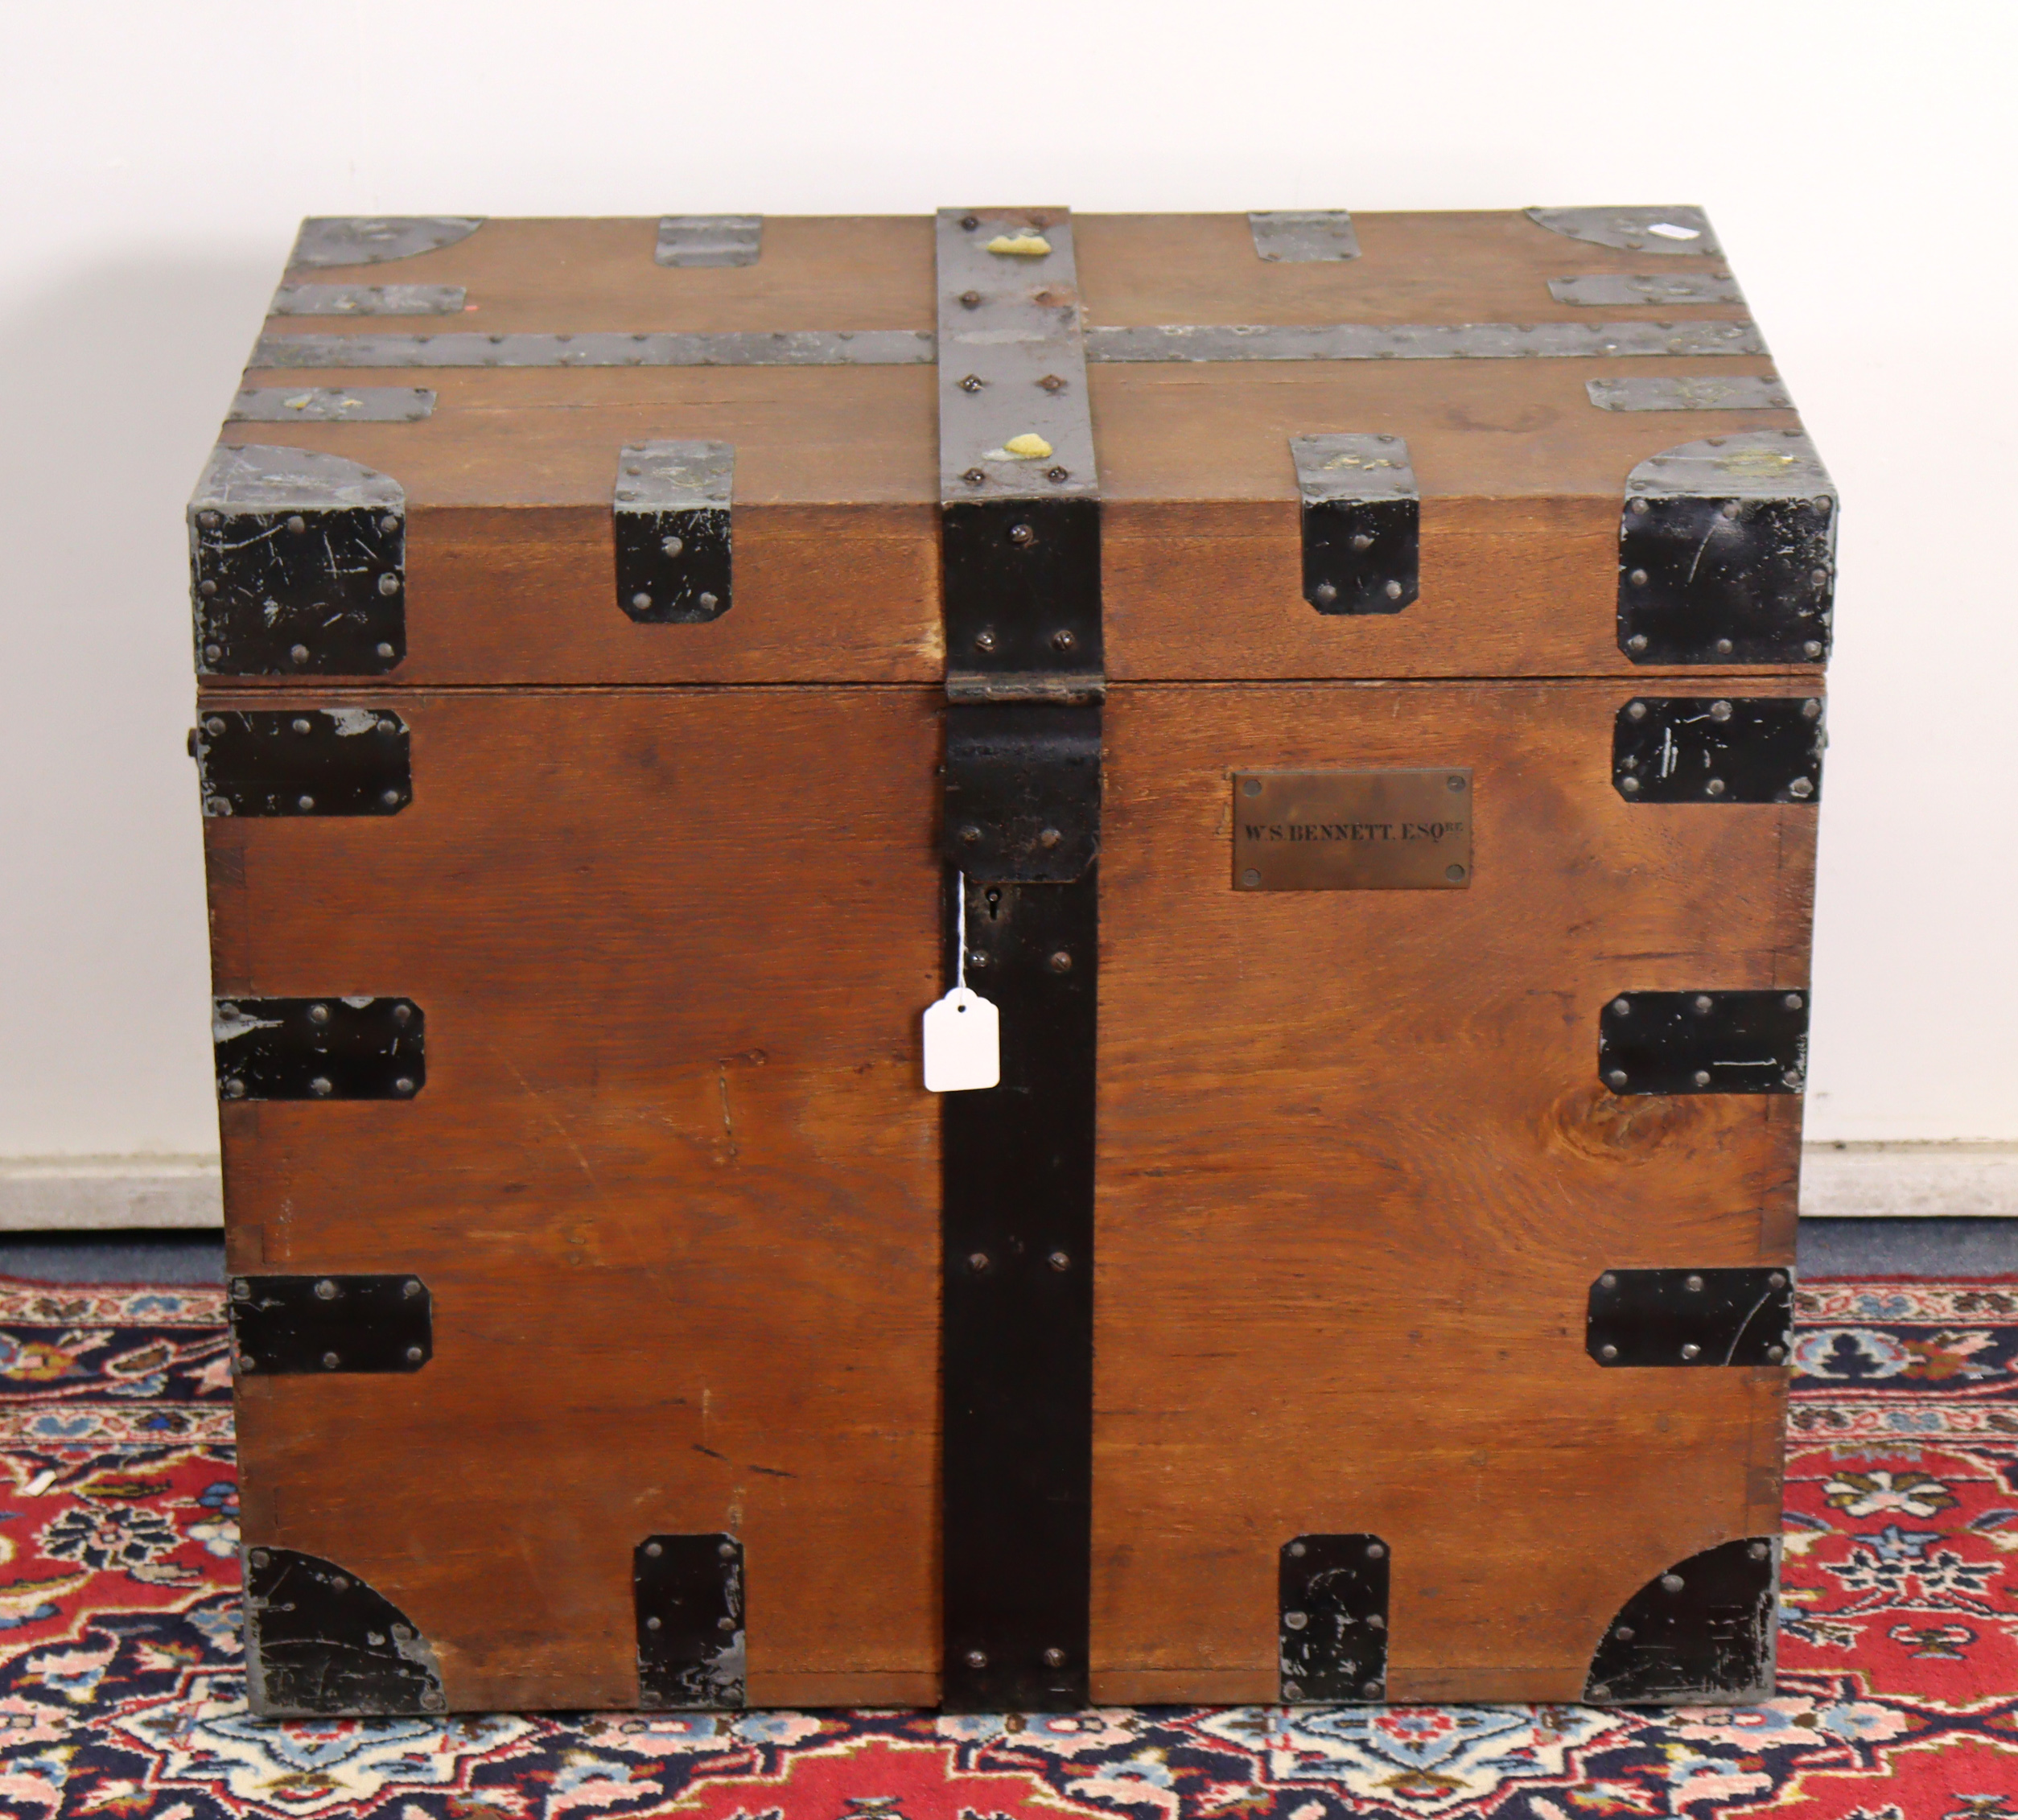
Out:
{"x": 1323, "y": 712}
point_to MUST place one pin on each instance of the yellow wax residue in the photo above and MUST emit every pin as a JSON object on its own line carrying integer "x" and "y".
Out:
{"x": 1021, "y": 246}
{"x": 1026, "y": 447}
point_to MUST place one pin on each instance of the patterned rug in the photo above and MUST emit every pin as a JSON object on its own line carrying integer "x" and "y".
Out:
{"x": 120, "y": 1683}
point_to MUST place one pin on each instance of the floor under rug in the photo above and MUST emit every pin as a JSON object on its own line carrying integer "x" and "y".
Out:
{"x": 120, "y": 1683}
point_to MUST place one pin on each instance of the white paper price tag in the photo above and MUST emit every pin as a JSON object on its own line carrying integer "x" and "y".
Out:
{"x": 963, "y": 1042}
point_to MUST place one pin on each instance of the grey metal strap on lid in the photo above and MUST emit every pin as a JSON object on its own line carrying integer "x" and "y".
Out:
{"x": 710, "y": 240}
{"x": 1670, "y": 228}
{"x": 368, "y": 300}
{"x": 1420, "y": 341}
{"x": 798, "y": 348}
{"x": 319, "y": 404}
{"x": 674, "y": 553}
{"x": 1713, "y": 392}
{"x": 1304, "y": 236}
{"x": 1613, "y": 290}
{"x": 370, "y": 240}
{"x": 1361, "y": 521}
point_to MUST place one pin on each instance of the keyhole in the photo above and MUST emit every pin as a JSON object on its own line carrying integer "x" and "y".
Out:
{"x": 994, "y": 905}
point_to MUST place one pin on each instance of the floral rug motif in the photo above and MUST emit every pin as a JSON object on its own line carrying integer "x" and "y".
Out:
{"x": 122, "y": 1689}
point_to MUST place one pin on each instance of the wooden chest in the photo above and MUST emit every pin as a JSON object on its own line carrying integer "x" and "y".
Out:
{"x": 1345, "y": 692}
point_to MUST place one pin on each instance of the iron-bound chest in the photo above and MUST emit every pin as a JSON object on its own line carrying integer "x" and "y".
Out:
{"x": 1324, "y": 712}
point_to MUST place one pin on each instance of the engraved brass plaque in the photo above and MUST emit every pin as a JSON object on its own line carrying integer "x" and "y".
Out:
{"x": 1352, "y": 830}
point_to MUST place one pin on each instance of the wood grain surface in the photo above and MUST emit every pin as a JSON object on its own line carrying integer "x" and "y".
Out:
{"x": 1357, "y": 1173}
{"x": 673, "y": 1181}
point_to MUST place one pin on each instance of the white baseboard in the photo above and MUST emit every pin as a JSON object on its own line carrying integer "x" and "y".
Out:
{"x": 1876, "y": 1181}
{"x": 108, "y": 1193}
{"x": 1837, "y": 1180}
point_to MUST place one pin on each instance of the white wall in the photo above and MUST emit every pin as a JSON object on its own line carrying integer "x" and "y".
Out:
{"x": 1857, "y": 160}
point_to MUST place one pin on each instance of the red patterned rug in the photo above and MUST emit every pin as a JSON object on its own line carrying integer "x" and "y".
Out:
{"x": 120, "y": 1683}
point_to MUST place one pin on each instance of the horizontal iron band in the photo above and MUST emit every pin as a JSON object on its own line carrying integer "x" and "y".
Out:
{"x": 894, "y": 347}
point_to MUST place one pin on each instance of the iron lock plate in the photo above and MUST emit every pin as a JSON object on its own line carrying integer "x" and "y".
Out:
{"x": 331, "y": 1048}
{"x": 1704, "y": 1317}
{"x": 1719, "y": 749}
{"x": 283, "y": 1325}
{"x": 1717, "y": 1042}
{"x": 688, "y": 1591}
{"x": 1333, "y": 1617}
{"x": 303, "y": 761}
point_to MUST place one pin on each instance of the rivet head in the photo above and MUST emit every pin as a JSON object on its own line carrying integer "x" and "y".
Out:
{"x": 1636, "y": 642}
{"x": 247, "y": 1362}
{"x": 1775, "y": 1354}
{"x": 207, "y": 587}
{"x": 388, "y": 584}
{"x": 1054, "y": 1658}
{"x": 1672, "y": 1583}
{"x": 1623, "y": 1633}
{"x": 260, "y": 1557}
{"x": 434, "y": 1700}
{"x": 654, "y": 1623}
{"x": 1713, "y": 787}
{"x": 1693, "y": 1284}
{"x": 403, "y": 1633}
{"x": 1636, "y": 710}
{"x": 975, "y": 477}
{"x": 977, "y": 1658}
{"x": 1724, "y": 647}
{"x": 213, "y": 726}
{"x": 1617, "y": 1077}
{"x": 1049, "y": 837}
{"x": 388, "y": 524}
{"x": 1061, "y": 961}
{"x": 726, "y": 1550}
{"x": 386, "y": 652}
{"x": 1454, "y": 782}
{"x": 984, "y": 640}
{"x": 321, "y": 1087}
{"x": 234, "y": 1089}
{"x": 1701, "y": 1077}
{"x": 1759, "y": 1550}
{"x": 1731, "y": 508}
{"x": 1690, "y": 1350}
{"x": 1777, "y": 1280}
{"x": 655, "y": 1549}
{"x": 641, "y": 602}
{"x": 1801, "y": 786}
{"x": 301, "y": 726}
{"x": 1621, "y": 1006}
{"x": 1324, "y": 593}
{"x": 240, "y": 1290}
{"x": 976, "y": 1262}
{"x": 725, "y": 1624}
{"x": 1058, "y": 1260}
{"x": 207, "y": 519}
{"x": 972, "y": 383}
{"x": 1811, "y": 649}
{"x": 1791, "y": 1077}
{"x": 1375, "y": 1550}
{"x": 1057, "y": 476}
{"x": 1375, "y": 1621}
{"x": 414, "y": 1355}
{"x": 969, "y": 833}
{"x": 1373, "y": 1689}
{"x": 403, "y": 1083}
{"x": 402, "y": 1015}
{"x": 1792, "y": 1001}
{"x": 1362, "y": 541}
{"x": 331, "y": 1362}
{"x": 1295, "y": 1621}
{"x": 970, "y": 299}
{"x": 411, "y": 1286}
{"x": 1250, "y": 877}
{"x": 389, "y": 798}
{"x": 339, "y": 1583}
{"x": 298, "y": 654}
{"x": 1637, "y": 578}
{"x": 1599, "y": 1691}
{"x": 1720, "y": 711}
{"x": 297, "y": 523}
{"x": 1064, "y": 640}
{"x": 1292, "y": 1690}
{"x": 305, "y": 804}
{"x": 1630, "y": 786}
{"x": 1298, "y": 1549}
{"x": 1608, "y": 1350}
{"x": 1609, "y": 1280}
{"x": 319, "y": 1013}
{"x": 1640, "y": 509}
{"x": 969, "y": 223}
{"x": 213, "y": 652}
{"x": 325, "y": 1291}
{"x": 1393, "y": 590}
{"x": 1704, "y": 1004}
{"x": 708, "y": 602}
{"x": 1020, "y": 534}
{"x": 671, "y": 545}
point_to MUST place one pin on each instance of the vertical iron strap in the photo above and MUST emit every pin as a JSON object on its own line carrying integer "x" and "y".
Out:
{"x": 1020, "y": 526}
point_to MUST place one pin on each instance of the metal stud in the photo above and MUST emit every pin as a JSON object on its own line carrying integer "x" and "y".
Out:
{"x": 1637, "y": 578}
{"x": 1393, "y": 591}
{"x": 1298, "y": 1549}
{"x": 388, "y": 584}
{"x": 1061, "y": 961}
{"x": 1811, "y": 709}
{"x": 641, "y": 602}
{"x": 1724, "y": 647}
{"x": 1058, "y": 1260}
{"x": 1630, "y": 786}
{"x": 414, "y": 1355}
{"x": 389, "y": 798}
{"x": 319, "y": 1013}
{"x": 1324, "y": 594}
{"x": 411, "y": 1286}
{"x": 331, "y": 1362}
{"x": 1636, "y": 642}
{"x": 1064, "y": 640}
{"x": 1622, "y": 1006}
{"x": 1373, "y": 1689}
{"x": 1609, "y": 1280}
{"x": 1801, "y": 788}
{"x": 1690, "y": 1350}
{"x": 654, "y": 1549}
{"x": 1693, "y": 1284}
{"x": 298, "y": 654}
{"x": 977, "y": 1658}
{"x": 1672, "y": 1583}
{"x": 389, "y": 525}
{"x": 321, "y": 1087}
{"x": 325, "y": 1290}
{"x": 1713, "y": 787}
{"x": 1702, "y": 1077}
{"x": 385, "y": 651}
{"x": 1054, "y": 1658}
{"x": 1020, "y": 534}
{"x": 1704, "y": 1004}
{"x": 1295, "y": 1620}
{"x": 1812, "y": 648}
{"x": 1720, "y": 711}
{"x": 1608, "y": 1350}
{"x": 1616, "y": 1078}
{"x": 1776, "y": 1354}
{"x": 1759, "y": 1550}
{"x": 1292, "y": 1690}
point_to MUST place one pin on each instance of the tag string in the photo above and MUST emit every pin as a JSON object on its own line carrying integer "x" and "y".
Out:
{"x": 960, "y": 936}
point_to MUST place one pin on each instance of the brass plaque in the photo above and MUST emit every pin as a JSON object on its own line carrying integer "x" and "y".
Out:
{"x": 1352, "y": 830}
